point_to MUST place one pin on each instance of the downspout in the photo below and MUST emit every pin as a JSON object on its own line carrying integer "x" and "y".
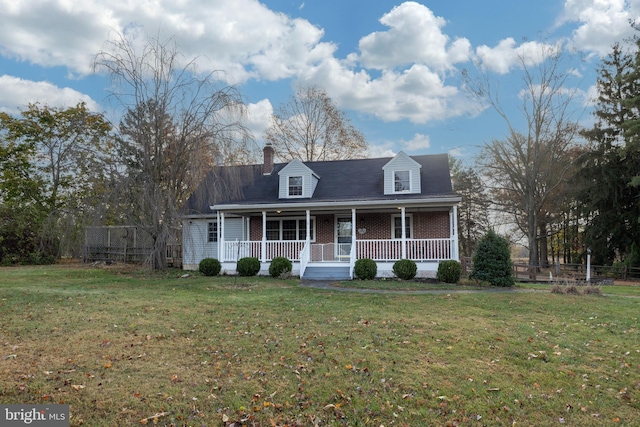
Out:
{"x": 404, "y": 233}
{"x": 454, "y": 235}
{"x": 263, "y": 249}
{"x": 352, "y": 253}
{"x": 218, "y": 236}
{"x": 221, "y": 240}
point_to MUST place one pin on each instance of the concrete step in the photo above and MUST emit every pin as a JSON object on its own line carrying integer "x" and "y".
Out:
{"x": 326, "y": 273}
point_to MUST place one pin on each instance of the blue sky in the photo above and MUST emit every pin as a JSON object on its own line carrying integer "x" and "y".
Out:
{"x": 394, "y": 67}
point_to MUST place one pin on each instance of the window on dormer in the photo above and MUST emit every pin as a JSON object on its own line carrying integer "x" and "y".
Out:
{"x": 295, "y": 186}
{"x": 401, "y": 181}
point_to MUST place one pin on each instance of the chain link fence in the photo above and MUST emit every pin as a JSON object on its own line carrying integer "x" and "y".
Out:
{"x": 128, "y": 244}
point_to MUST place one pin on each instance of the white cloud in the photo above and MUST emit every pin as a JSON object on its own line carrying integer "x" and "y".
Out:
{"x": 507, "y": 55}
{"x": 258, "y": 117}
{"x": 414, "y": 36}
{"x": 457, "y": 152}
{"x": 381, "y": 150}
{"x": 51, "y": 33}
{"x": 416, "y": 94}
{"x": 243, "y": 38}
{"x": 601, "y": 22}
{"x": 591, "y": 96}
{"x": 16, "y": 93}
{"x": 418, "y": 143}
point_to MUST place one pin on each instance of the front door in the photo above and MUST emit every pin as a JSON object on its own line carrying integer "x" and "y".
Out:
{"x": 344, "y": 235}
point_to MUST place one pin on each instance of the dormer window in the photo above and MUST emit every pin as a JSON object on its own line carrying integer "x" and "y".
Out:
{"x": 296, "y": 181}
{"x": 295, "y": 186}
{"x": 402, "y": 181}
{"x": 402, "y": 175}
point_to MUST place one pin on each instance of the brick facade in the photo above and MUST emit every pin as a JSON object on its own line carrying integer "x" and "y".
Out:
{"x": 426, "y": 225}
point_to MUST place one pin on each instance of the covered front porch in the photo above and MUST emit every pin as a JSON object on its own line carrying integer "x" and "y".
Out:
{"x": 324, "y": 244}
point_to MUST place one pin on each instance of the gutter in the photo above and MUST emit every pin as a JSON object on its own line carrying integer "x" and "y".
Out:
{"x": 330, "y": 205}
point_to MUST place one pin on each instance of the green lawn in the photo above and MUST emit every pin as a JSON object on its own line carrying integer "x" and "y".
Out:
{"x": 121, "y": 347}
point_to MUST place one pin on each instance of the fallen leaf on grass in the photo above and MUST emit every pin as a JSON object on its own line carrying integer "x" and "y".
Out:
{"x": 154, "y": 418}
{"x": 77, "y": 387}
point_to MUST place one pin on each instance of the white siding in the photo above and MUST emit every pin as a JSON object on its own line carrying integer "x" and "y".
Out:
{"x": 296, "y": 168}
{"x": 401, "y": 162}
{"x": 195, "y": 244}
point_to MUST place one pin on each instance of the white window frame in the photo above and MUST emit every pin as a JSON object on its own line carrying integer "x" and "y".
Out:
{"x": 408, "y": 189}
{"x": 212, "y": 238}
{"x": 408, "y": 218}
{"x": 289, "y": 186}
{"x": 312, "y": 219}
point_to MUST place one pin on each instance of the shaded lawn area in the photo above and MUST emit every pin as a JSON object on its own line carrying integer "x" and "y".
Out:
{"x": 121, "y": 347}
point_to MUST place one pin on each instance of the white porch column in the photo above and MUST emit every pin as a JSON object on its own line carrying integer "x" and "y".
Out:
{"x": 353, "y": 230}
{"x": 454, "y": 234}
{"x": 308, "y": 236}
{"x": 404, "y": 233}
{"x": 263, "y": 249}
{"x": 221, "y": 251}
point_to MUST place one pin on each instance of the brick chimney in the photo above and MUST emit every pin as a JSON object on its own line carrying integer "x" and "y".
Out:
{"x": 267, "y": 165}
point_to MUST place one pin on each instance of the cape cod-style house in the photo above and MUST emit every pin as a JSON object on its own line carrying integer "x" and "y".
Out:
{"x": 324, "y": 215}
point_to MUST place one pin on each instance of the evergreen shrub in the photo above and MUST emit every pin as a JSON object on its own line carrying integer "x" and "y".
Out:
{"x": 405, "y": 269}
{"x": 248, "y": 266}
{"x": 492, "y": 261}
{"x": 365, "y": 269}
{"x": 280, "y": 266}
{"x": 449, "y": 271}
{"x": 209, "y": 267}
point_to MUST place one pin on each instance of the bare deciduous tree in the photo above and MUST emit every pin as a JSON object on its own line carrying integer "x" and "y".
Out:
{"x": 310, "y": 127}
{"x": 473, "y": 221}
{"x": 523, "y": 169}
{"x": 177, "y": 124}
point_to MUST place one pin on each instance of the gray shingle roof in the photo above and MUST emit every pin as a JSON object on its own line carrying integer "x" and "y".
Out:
{"x": 340, "y": 180}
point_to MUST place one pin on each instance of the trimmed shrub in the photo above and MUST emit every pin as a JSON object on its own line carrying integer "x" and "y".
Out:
{"x": 492, "y": 261}
{"x": 449, "y": 271}
{"x": 248, "y": 266}
{"x": 209, "y": 267}
{"x": 405, "y": 269}
{"x": 365, "y": 269}
{"x": 280, "y": 266}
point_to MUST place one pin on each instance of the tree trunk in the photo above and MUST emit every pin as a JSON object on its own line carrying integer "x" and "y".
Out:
{"x": 544, "y": 246}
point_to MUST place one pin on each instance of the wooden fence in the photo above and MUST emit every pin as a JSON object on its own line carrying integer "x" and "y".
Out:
{"x": 599, "y": 273}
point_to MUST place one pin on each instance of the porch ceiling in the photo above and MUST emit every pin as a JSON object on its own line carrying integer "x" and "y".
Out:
{"x": 416, "y": 205}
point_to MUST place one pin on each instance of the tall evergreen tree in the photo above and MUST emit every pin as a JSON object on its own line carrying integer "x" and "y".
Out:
{"x": 609, "y": 171}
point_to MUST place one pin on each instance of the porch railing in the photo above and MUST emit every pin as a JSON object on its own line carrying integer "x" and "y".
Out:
{"x": 416, "y": 249}
{"x": 233, "y": 251}
{"x": 378, "y": 250}
{"x": 304, "y": 258}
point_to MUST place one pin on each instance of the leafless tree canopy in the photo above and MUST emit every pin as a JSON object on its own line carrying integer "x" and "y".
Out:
{"x": 310, "y": 127}
{"x": 177, "y": 125}
{"x": 524, "y": 169}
